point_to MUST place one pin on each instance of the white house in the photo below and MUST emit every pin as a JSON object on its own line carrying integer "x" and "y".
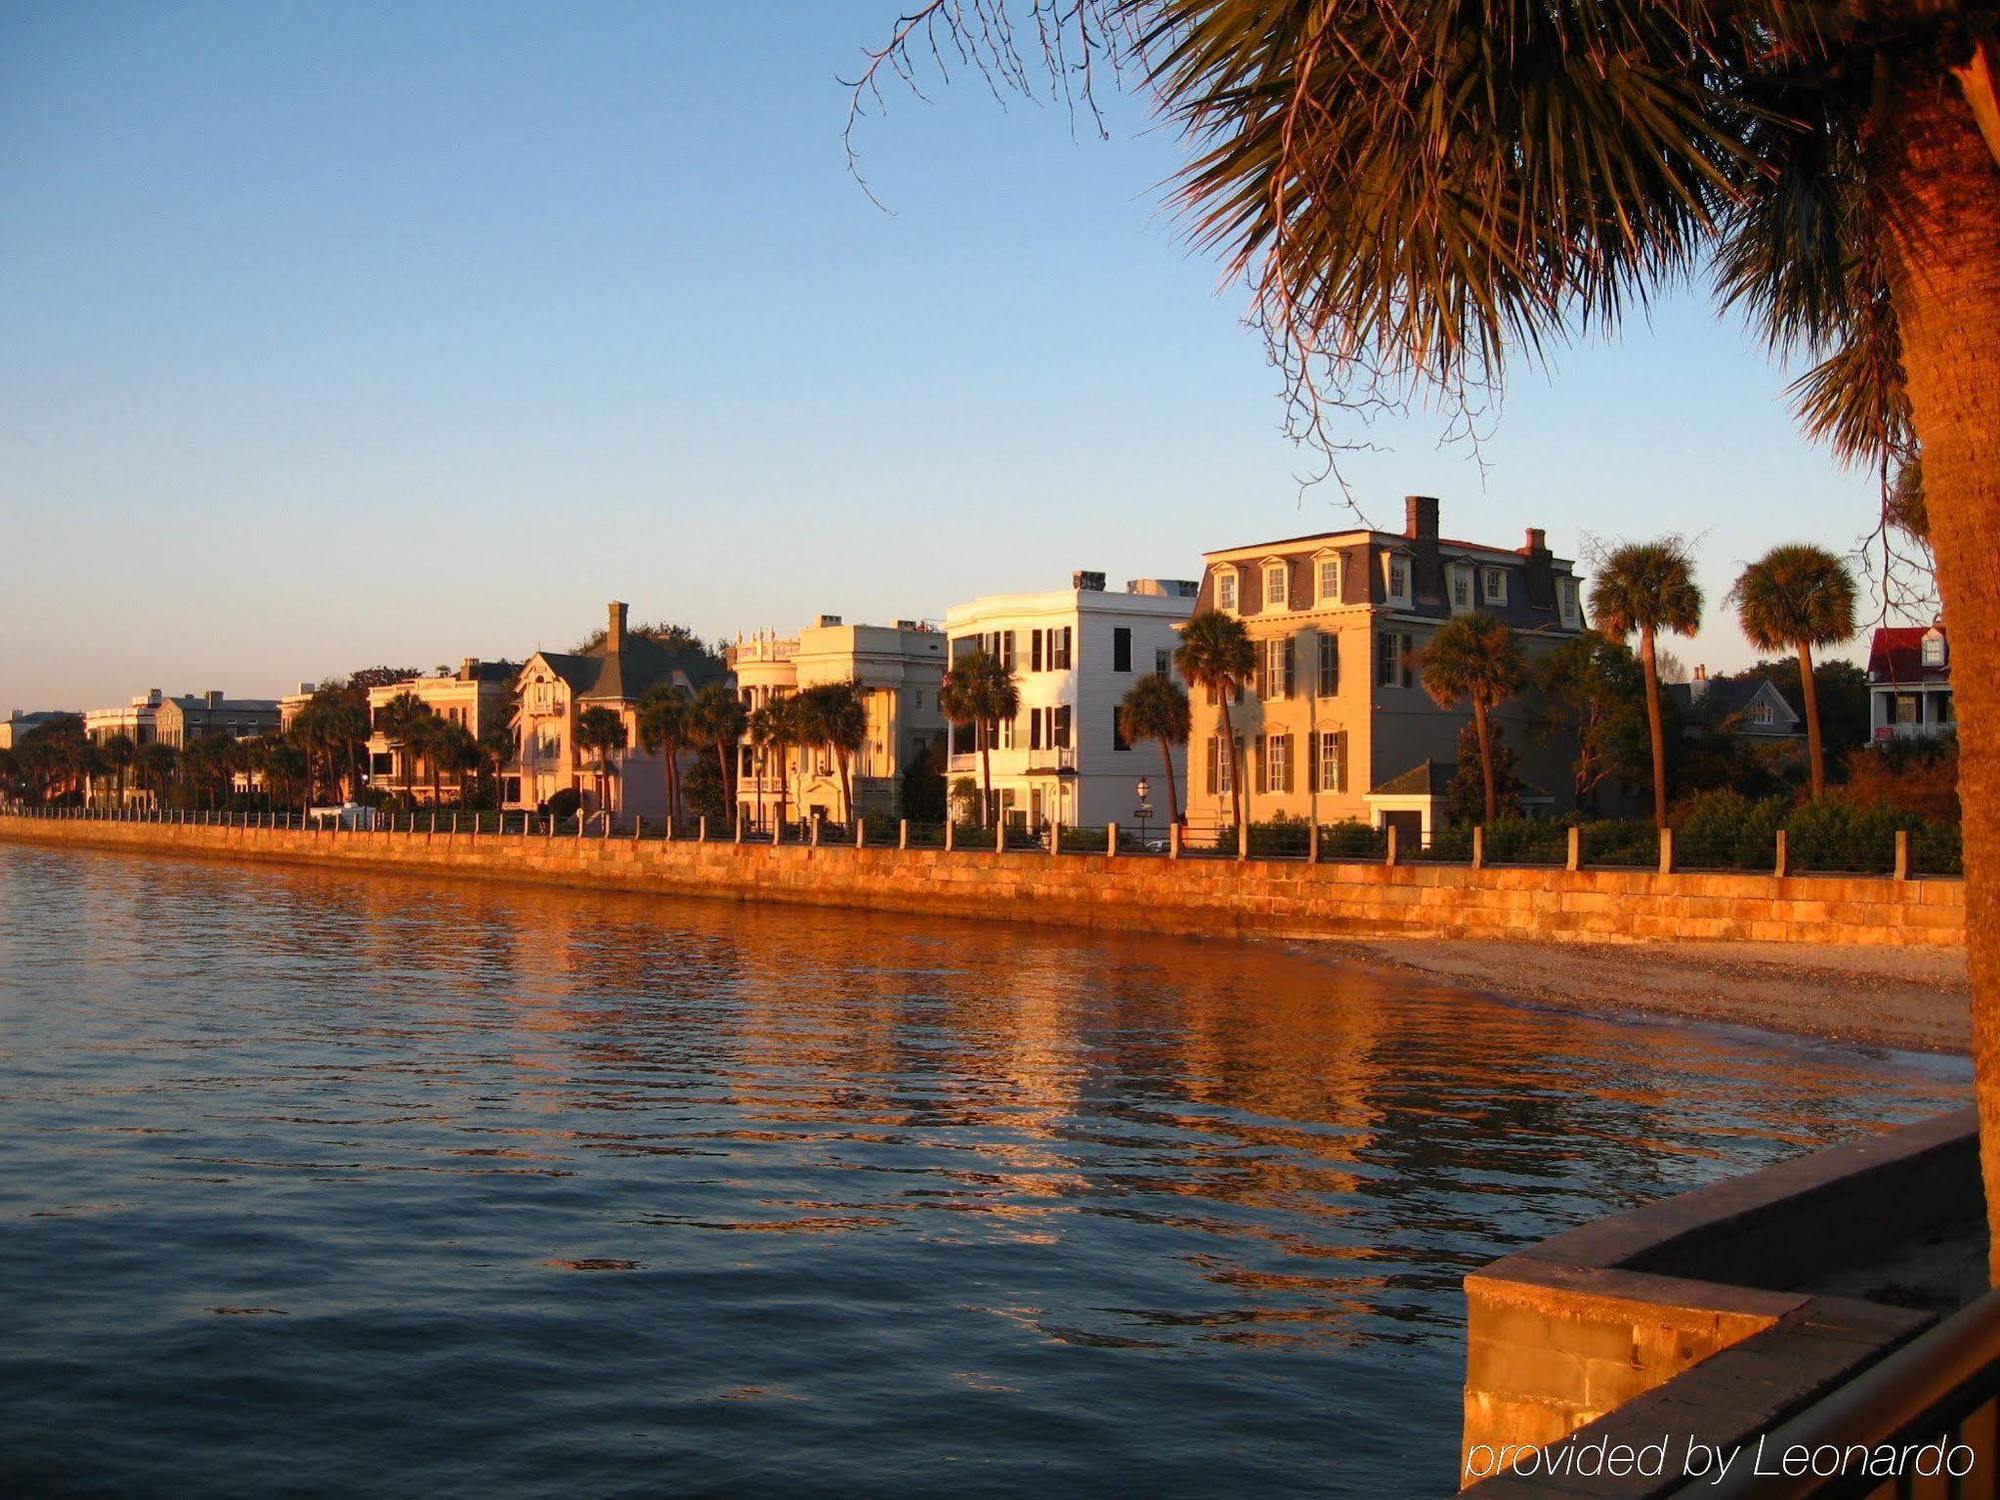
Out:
{"x": 1075, "y": 654}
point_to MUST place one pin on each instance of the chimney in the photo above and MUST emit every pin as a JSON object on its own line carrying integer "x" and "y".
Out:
{"x": 152, "y": 697}
{"x": 614, "y": 632}
{"x": 1087, "y": 583}
{"x": 1538, "y": 540}
{"x": 828, "y": 621}
{"x": 1698, "y": 684}
{"x": 308, "y": 687}
{"x": 212, "y": 698}
{"x": 1420, "y": 516}
{"x": 468, "y": 668}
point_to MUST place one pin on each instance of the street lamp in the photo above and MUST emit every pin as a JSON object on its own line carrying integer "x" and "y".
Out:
{"x": 1145, "y": 811}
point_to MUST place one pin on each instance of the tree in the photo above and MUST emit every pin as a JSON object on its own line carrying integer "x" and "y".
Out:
{"x": 717, "y": 717}
{"x": 1413, "y": 192}
{"x": 1648, "y": 587}
{"x": 1595, "y": 695}
{"x": 499, "y": 743}
{"x": 1156, "y": 708}
{"x": 1839, "y": 687}
{"x": 1475, "y": 656}
{"x": 836, "y": 714}
{"x": 770, "y": 731}
{"x": 456, "y": 750}
{"x": 1215, "y": 654}
{"x": 661, "y": 633}
{"x": 599, "y": 731}
{"x": 980, "y": 692}
{"x": 924, "y": 793}
{"x": 119, "y": 752}
{"x": 405, "y": 722}
{"x": 155, "y": 767}
{"x": 1799, "y": 596}
{"x": 1465, "y": 795}
{"x": 664, "y": 731}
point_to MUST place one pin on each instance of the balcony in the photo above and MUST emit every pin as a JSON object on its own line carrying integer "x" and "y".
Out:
{"x": 1060, "y": 761}
{"x": 1930, "y": 731}
{"x": 763, "y": 648}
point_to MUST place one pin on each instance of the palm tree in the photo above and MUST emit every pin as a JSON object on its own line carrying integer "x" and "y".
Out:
{"x": 840, "y": 713}
{"x": 1799, "y": 596}
{"x": 979, "y": 691}
{"x": 1415, "y": 191}
{"x": 119, "y": 752}
{"x": 664, "y": 731}
{"x": 767, "y": 730}
{"x": 155, "y": 767}
{"x": 717, "y": 717}
{"x": 1156, "y": 708}
{"x": 1216, "y": 654}
{"x": 1475, "y": 656}
{"x": 599, "y": 731}
{"x": 499, "y": 743}
{"x": 403, "y": 721}
{"x": 1648, "y": 587}
{"x": 455, "y": 749}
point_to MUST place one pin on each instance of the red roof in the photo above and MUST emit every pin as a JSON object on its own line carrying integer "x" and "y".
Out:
{"x": 1897, "y": 655}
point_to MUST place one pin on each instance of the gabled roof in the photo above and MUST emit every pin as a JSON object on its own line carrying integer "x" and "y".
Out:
{"x": 1897, "y": 655}
{"x": 1724, "y": 697}
{"x": 1427, "y": 778}
{"x": 626, "y": 676}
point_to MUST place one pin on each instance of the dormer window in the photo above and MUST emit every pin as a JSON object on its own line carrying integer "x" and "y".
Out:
{"x": 1566, "y": 599}
{"x": 1461, "y": 590}
{"x": 1493, "y": 585}
{"x": 1760, "y": 712}
{"x": 1933, "y": 650}
{"x": 1397, "y": 579}
{"x": 1225, "y": 591}
{"x": 1276, "y": 578}
{"x": 1326, "y": 573}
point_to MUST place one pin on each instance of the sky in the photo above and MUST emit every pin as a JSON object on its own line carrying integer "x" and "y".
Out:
{"x": 337, "y": 334}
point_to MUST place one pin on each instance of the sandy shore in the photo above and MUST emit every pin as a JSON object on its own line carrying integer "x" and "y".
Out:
{"x": 1910, "y": 998}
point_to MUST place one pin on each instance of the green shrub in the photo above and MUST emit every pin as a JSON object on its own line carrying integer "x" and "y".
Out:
{"x": 1620, "y": 841}
{"x": 1283, "y": 834}
{"x": 1519, "y": 840}
{"x": 562, "y": 805}
{"x": 1727, "y": 831}
{"x": 1833, "y": 833}
{"x": 1348, "y": 838}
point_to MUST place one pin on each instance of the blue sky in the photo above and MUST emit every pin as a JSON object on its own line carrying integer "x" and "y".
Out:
{"x": 336, "y": 334}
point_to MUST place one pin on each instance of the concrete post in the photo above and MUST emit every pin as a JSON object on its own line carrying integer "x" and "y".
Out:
{"x": 814, "y": 839}
{"x": 1111, "y": 841}
{"x": 454, "y": 822}
{"x": 950, "y": 834}
{"x": 1312, "y": 843}
{"x": 701, "y": 830}
{"x": 579, "y": 822}
{"x": 1389, "y": 846}
{"x": 1478, "y": 847}
{"x": 1666, "y": 851}
{"x": 638, "y": 826}
{"x": 902, "y": 833}
{"x": 1574, "y": 860}
{"x": 1000, "y": 836}
{"x": 737, "y": 834}
{"x": 1782, "y": 865}
{"x": 1174, "y": 840}
{"x": 1242, "y": 840}
{"x": 1055, "y": 838}
{"x": 860, "y": 832}
{"x": 1902, "y": 854}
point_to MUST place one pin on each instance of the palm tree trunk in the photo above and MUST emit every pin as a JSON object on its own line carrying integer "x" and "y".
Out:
{"x": 988, "y": 814}
{"x": 1815, "y": 749}
{"x": 1229, "y": 749}
{"x": 1485, "y": 755}
{"x": 1173, "y": 803}
{"x": 1945, "y": 288}
{"x": 1650, "y": 662}
{"x": 722, "y": 765}
{"x": 846, "y": 785}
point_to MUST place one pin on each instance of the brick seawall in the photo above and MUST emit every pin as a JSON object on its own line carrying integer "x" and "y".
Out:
{"x": 1263, "y": 898}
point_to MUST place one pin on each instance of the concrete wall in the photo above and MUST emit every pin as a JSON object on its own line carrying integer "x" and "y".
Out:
{"x": 1205, "y": 896}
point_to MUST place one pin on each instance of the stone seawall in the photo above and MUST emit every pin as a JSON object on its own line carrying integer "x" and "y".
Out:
{"x": 1261, "y": 898}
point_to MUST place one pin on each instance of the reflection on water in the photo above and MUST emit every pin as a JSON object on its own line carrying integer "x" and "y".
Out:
{"x": 326, "y": 1184}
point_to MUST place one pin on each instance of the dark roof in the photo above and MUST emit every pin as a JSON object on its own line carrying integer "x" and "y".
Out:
{"x": 1724, "y": 698}
{"x": 498, "y": 671}
{"x": 1427, "y": 778}
{"x": 629, "y": 674}
{"x": 195, "y": 703}
{"x": 1897, "y": 655}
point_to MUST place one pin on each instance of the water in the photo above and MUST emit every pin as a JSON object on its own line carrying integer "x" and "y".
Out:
{"x": 322, "y": 1184}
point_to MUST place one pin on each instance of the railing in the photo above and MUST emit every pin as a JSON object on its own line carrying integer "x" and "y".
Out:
{"x": 1905, "y": 854}
{"x": 1927, "y": 731}
{"x": 1942, "y": 1388}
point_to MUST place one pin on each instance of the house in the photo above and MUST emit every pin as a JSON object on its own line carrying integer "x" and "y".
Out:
{"x": 1075, "y": 653}
{"x": 138, "y": 720}
{"x": 898, "y": 668}
{"x": 183, "y": 720}
{"x": 616, "y": 673}
{"x": 1909, "y": 683}
{"x": 1335, "y": 723}
{"x": 18, "y": 725}
{"x": 1748, "y": 707}
{"x": 479, "y": 695}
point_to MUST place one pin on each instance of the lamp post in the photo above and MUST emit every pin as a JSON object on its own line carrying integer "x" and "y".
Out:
{"x": 1144, "y": 812}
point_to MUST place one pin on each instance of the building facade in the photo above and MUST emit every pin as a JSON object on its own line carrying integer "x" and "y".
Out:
{"x": 479, "y": 696}
{"x": 1075, "y": 653}
{"x": 18, "y": 724}
{"x": 183, "y": 720}
{"x": 1335, "y": 723}
{"x": 898, "y": 668}
{"x": 1909, "y": 684}
{"x": 557, "y": 688}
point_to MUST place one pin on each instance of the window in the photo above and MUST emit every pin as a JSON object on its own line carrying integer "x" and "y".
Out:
{"x": 1392, "y": 659}
{"x": 1274, "y": 763}
{"x": 1059, "y": 648}
{"x": 1118, "y": 731}
{"x": 1399, "y": 580}
{"x": 1461, "y": 590}
{"x": 1333, "y": 760}
{"x": 1566, "y": 599}
{"x": 1933, "y": 650}
{"x": 1035, "y": 657}
{"x": 1329, "y": 581}
{"x": 1121, "y": 649}
{"x": 920, "y": 698}
{"x": 1275, "y": 669}
{"x": 1760, "y": 712}
{"x": 1006, "y": 651}
{"x": 1329, "y": 666}
{"x": 1163, "y": 663}
{"x": 1218, "y": 767}
{"x": 1225, "y": 590}
{"x": 1276, "y": 577}
{"x": 1061, "y": 737}
{"x": 1493, "y": 585}
{"x": 1006, "y": 739}
{"x": 1035, "y": 740}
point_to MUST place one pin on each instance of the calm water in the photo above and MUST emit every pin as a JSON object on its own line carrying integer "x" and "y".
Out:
{"x": 346, "y": 1185}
